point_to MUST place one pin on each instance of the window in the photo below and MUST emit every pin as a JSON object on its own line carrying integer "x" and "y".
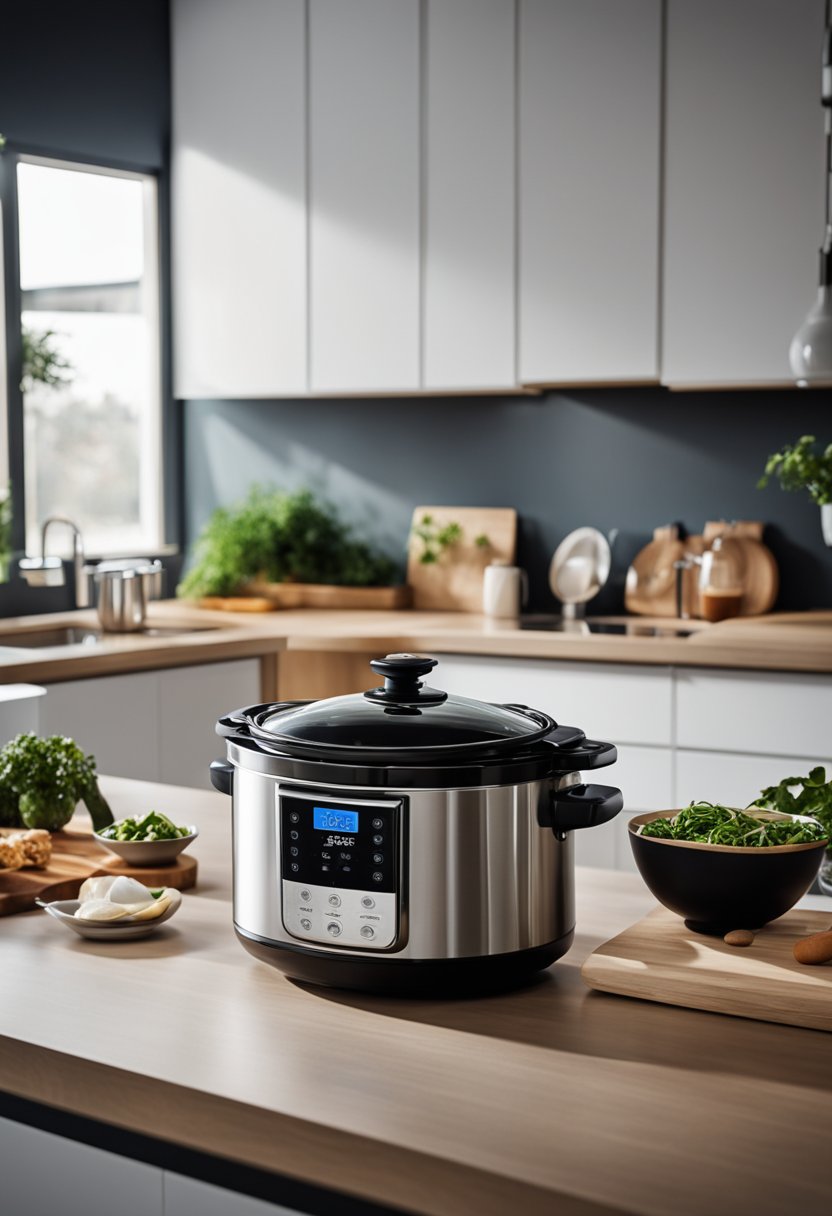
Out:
{"x": 89, "y": 287}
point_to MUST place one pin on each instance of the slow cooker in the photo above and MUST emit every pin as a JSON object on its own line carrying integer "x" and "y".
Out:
{"x": 404, "y": 839}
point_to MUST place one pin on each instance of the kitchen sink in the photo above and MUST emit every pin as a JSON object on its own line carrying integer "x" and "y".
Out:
{"x": 81, "y": 635}
{"x": 631, "y": 627}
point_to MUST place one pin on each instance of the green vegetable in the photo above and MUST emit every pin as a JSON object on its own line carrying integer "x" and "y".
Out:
{"x": 436, "y": 538}
{"x": 802, "y": 466}
{"x": 707, "y": 823}
{"x": 286, "y": 538}
{"x": 815, "y": 797}
{"x": 154, "y": 826}
{"x": 42, "y": 780}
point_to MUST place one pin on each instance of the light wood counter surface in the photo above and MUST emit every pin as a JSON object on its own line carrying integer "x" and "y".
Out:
{"x": 782, "y": 642}
{"x": 547, "y": 1100}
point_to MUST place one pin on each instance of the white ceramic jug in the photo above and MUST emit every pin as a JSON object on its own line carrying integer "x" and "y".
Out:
{"x": 504, "y": 590}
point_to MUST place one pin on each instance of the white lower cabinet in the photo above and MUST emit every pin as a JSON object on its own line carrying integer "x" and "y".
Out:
{"x": 152, "y": 725}
{"x": 43, "y": 1173}
{"x": 188, "y": 1197}
{"x": 733, "y": 778}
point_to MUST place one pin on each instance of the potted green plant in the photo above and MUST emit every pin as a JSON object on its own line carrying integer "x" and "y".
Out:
{"x": 805, "y": 465}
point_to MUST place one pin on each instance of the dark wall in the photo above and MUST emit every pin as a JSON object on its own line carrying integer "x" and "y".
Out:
{"x": 619, "y": 458}
{"x": 89, "y": 79}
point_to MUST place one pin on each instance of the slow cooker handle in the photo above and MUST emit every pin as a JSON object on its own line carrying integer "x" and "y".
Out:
{"x": 583, "y": 806}
{"x": 222, "y": 776}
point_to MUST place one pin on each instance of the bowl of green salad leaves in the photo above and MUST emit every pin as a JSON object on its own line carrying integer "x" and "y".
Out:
{"x": 149, "y": 840}
{"x": 722, "y": 868}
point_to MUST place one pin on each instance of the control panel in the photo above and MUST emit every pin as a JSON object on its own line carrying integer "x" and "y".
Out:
{"x": 339, "y": 869}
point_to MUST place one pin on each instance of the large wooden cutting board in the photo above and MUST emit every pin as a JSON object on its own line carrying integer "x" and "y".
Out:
{"x": 659, "y": 959}
{"x": 455, "y": 581}
{"x": 76, "y": 856}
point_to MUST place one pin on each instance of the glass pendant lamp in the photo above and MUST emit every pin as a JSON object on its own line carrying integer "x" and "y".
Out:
{"x": 810, "y": 353}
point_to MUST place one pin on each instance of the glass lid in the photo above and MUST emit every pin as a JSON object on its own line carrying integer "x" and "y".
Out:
{"x": 403, "y": 716}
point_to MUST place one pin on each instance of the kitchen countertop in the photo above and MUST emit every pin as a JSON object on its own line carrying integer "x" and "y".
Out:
{"x": 779, "y": 642}
{"x": 549, "y": 1099}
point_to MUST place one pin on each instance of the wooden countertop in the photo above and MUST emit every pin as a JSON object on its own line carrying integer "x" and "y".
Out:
{"x": 550, "y": 1099}
{"x": 782, "y": 642}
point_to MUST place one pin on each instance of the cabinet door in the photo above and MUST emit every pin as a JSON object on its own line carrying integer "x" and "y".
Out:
{"x": 364, "y": 194}
{"x": 44, "y": 1173}
{"x": 731, "y": 778}
{"x": 239, "y": 198}
{"x": 190, "y": 699}
{"x": 764, "y": 712}
{"x": 469, "y": 222}
{"x": 112, "y": 717}
{"x": 589, "y": 189}
{"x": 190, "y": 1197}
{"x": 743, "y": 186}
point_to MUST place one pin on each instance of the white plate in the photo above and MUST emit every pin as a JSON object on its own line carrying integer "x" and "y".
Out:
{"x": 63, "y": 911}
{"x": 580, "y": 566}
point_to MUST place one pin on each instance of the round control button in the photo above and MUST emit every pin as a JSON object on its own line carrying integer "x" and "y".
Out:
{"x": 294, "y": 867}
{"x": 293, "y": 835}
{"x": 367, "y": 901}
{"x": 306, "y": 896}
{"x": 333, "y": 929}
{"x": 378, "y": 840}
{"x": 306, "y": 923}
{"x": 378, "y": 823}
{"x": 378, "y": 858}
{"x": 378, "y": 876}
{"x": 335, "y": 901}
{"x": 294, "y": 817}
{"x": 294, "y": 850}
{"x": 367, "y": 931}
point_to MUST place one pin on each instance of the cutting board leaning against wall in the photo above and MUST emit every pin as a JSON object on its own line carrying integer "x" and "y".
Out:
{"x": 454, "y": 581}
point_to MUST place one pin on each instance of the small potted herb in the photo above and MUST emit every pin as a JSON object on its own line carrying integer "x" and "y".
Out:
{"x": 809, "y": 795}
{"x": 805, "y": 465}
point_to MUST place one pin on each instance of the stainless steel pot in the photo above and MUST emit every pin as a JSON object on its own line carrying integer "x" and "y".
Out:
{"x": 404, "y": 839}
{"x": 123, "y": 589}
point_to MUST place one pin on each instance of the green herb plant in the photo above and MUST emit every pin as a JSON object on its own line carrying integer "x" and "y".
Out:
{"x": 437, "y": 538}
{"x": 803, "y": 465}
{"x": 284, "y": 538}
{"x": 814, "y": 797}
{"x": 42, "y": 361}
{"x": 709, "y": 823}
{"x": 42, "y": 780}
{"x": 152, "y": 826}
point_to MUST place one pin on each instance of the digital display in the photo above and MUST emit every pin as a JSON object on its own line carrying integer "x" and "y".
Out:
{"x": 326, "y": 820}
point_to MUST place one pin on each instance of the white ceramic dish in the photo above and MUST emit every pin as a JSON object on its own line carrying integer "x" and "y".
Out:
{"x": 149, "y": 852}
{"x": 63, "y": 911}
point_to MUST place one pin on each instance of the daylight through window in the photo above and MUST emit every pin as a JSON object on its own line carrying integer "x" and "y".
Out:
{"x": 91, "y": 377}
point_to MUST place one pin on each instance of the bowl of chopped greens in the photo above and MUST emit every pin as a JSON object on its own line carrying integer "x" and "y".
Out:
{"x": 721, "y": 868}
{"x": 149, "y": 840}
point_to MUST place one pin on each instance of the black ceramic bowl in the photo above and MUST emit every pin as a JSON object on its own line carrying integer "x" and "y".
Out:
{"x": 717, "y": 888}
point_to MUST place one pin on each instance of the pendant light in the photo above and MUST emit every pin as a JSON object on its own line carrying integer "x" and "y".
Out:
{"x": 810, "y": 353}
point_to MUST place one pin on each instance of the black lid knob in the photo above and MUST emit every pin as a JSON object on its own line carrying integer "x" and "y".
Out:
{"x": 402, "y": 685}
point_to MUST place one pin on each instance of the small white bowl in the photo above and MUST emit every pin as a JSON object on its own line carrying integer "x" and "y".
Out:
{"x": 63, "y": 911}
{"x": 149, "y": 852}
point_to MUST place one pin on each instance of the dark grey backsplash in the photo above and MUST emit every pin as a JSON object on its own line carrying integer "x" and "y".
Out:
{"x": 625, "y": 459}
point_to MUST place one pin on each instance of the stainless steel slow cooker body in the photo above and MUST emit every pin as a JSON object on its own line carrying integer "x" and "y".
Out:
{"x": 436, "y": 867}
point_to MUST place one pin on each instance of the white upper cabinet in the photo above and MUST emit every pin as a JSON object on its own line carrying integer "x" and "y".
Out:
{"x": 239, "y": 198}
{"x": 469, "y": 194}
{"x": 590, "y": 103}
{"x": 743, "y": 186}
{"x": 364, "y": 184}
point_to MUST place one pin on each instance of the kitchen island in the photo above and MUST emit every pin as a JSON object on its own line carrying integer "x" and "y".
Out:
{"x": 550, "y": 1099}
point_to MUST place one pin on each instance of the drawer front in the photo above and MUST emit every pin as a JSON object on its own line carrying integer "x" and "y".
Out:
{"x": 621, "y": 704}
{"x": 765, "y": 714}
{"x": 732, "y": 778}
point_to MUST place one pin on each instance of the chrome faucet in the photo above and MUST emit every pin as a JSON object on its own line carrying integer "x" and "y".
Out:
{"x": 46, "y": 571}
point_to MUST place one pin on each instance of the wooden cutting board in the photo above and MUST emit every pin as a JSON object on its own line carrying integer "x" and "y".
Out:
{"x": 455, "y": 581}
{"x": 659, "y": 959}
{"x": 76, "y": 856}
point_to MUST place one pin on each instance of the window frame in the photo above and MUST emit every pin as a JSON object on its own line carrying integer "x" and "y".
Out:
{"x": 169, "y": 447}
